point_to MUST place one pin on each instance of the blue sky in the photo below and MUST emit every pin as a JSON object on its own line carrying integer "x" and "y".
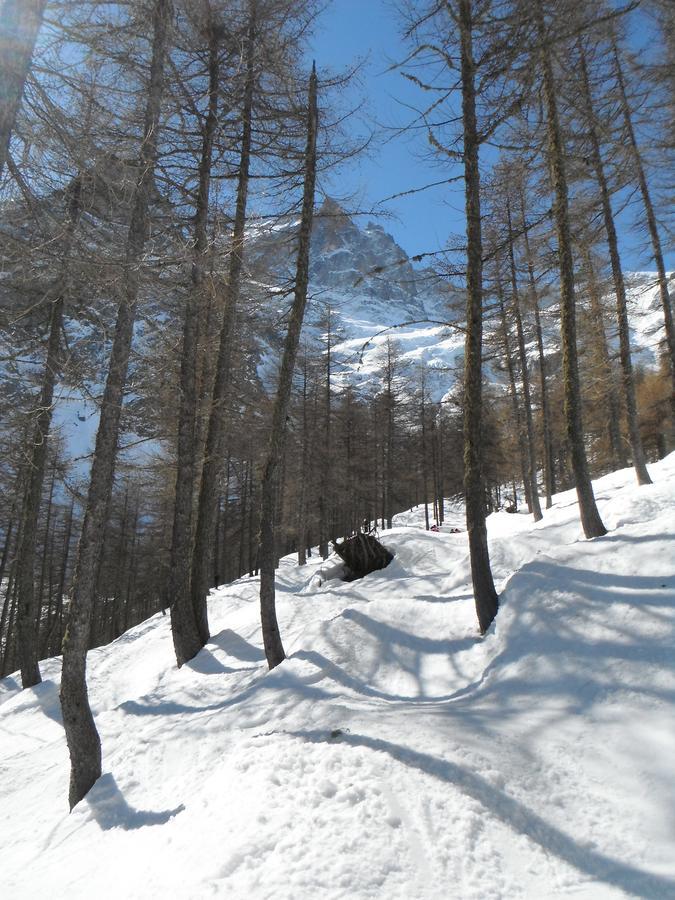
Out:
{"x": 369, "y": 29}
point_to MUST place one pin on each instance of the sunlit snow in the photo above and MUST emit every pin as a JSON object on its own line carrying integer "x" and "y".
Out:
{"x": 395, "y": 753}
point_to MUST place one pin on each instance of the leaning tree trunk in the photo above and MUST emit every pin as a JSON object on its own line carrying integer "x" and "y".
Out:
{"x": 20, "y": 22}
{"x": 184, "y": 629}
{"x": 628, "y": 377}
{"x": 527, "y": 399}
{"x": 28, "y": 606}
{"x": 83, "y": 740}
{"x": 590, "y": 517}
{"x": 274, "y": 650}
{"x": 654, "y": 236}
{"x": 485, "y": 594}
{"x": 206, "y": 504}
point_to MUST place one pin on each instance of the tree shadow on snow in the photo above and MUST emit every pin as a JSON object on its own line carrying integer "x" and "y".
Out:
{"x": 110, "y": 809}
{"x": 206, "y": 663}
{"x": 235, "y": 645}
{"x": 513, "y": 814}
{"x": 566, "y": 662}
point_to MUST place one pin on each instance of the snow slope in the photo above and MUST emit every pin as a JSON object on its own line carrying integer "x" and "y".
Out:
{"x": 395, "y": 753}
{"x": 376, "y": 293}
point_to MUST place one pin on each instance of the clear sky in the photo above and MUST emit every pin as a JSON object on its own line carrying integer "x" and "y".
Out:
{"x": 369, "y": 29}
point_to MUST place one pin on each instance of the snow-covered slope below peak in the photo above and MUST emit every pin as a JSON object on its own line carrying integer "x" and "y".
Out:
{"x": 363, "y": 282}
{"x": 395, "y": 752}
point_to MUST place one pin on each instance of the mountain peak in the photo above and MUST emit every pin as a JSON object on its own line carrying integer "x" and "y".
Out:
{"x": 330, "y": 208}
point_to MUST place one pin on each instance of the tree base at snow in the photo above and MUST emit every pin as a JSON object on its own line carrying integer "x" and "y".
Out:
{"x": 362, "y": 554}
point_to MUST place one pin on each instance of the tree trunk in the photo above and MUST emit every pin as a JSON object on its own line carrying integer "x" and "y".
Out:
{"x": 37, "y": 456}
{"x": 653, "y": 234}
{"x": 274, "y": 650}
{"x": 56, "y": 625}
{"x": 535, "y": 506}
{"x": 485, "y": 594}
{"x": 45, "y": 546}
{"x": 517, "y": 418}
{"x": 83, "y": 740}
{"x": 590, "y": 517}
{"x": 549, "y": 468}
{"x": 20, "y": 22}
{"x": 7, "y": 651}
{"x": 302, "y": 499}
{"x": 628, "y": 378}
{"x": 425, "y": 466}
{"x": 206, "y": 505}
{"x": 187, "y": 640}
{"x": 607, "y": 374}
{"x": 324, "y": 483}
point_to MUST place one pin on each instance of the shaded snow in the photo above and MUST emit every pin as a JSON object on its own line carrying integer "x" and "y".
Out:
{"x": 394, "y": 753}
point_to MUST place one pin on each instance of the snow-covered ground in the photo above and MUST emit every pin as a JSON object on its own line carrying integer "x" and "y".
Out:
{"x": 395, "y": 753}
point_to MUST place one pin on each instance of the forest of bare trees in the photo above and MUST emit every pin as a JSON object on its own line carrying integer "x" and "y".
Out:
{"x": 144, "y": 148}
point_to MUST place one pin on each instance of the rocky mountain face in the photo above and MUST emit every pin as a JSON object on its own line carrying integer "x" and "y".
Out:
{"x": 363, "y": 263}
{"x": 374, "y": 292}
{"x": 365, "y": 281}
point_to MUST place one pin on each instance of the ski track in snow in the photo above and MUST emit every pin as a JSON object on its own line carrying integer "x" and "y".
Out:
{"x": 395, "y": 753}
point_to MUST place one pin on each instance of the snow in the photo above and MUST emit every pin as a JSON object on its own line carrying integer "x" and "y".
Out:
{"x": 395, "y": 752}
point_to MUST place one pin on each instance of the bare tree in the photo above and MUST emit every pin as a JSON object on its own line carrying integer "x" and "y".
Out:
{"x": 186, "y": 636}
{"x": 206, "y": 504}
{"x": 617, "y": 273}
{"x": 83, "y": 740}
{"x": 274, "y": 650}
{"x": 590, "y": 517}
{"x": 652, "y": 226}
{"x": 28, "y": 604}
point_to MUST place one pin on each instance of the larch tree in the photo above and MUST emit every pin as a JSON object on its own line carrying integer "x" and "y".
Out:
{"x": 28, "y": 603}
{"x": 477, "y": 42}
{"x": 84, "y": 744}
{"x": 184, "y": 627}
{"x": 599, "y": 170}
{"x": 590, "y": 517}
{"x": 205, "y": 516}
{"x": 636, "y": 157}
{"x": 274, "y": 650}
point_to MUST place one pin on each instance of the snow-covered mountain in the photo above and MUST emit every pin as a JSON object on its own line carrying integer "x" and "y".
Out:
{"x": 395, "y": 753}
{"x": 373, "y": 289}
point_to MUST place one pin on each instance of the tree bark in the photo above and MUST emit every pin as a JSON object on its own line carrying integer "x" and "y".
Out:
{"x": 185, "y": 630}
{"x": 535, "y": 507}
{"x": 517, "y": 418}
{"x": 206, "y": 504}
{"x": 610, "y": 392}
{"x": 20, "y": 22}
{"x": 37, "y": 456}
{"x": 590, "y": 517}
{"x": 549, "y": 468}
{"x": 655, "y": 238}
{"x": 483, "y": 585}
{"x": 274, "y": 650}
{"x": 304, "y": 465}
{"x": 628, "y": 378}
{"x": 325, "y": 480}
{"x": 83, "y": 740}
